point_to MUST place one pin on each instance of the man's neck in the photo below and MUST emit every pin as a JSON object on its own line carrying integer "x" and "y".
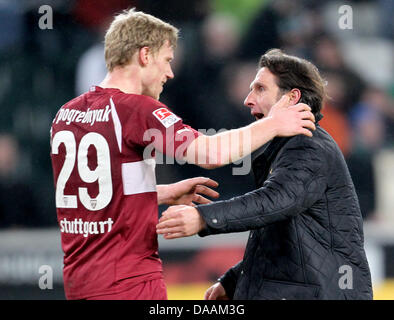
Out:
{"x": 126, "y": 79}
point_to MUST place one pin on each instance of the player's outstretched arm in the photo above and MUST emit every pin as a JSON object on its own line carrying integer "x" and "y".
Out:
{"x": 187, "y": 192}
{"x": 221, "y": 149}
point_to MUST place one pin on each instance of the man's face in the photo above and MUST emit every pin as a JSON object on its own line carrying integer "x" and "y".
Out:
{"x": 264, "y": 93}
{"x": 159, "y": 71}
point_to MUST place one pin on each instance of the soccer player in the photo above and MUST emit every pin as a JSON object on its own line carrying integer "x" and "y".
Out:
{"x": 106, "y": 194}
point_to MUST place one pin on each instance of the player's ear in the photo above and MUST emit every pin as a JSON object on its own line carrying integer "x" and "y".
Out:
{"x": 143, "y": 55}
{"x": 295, "y": 96}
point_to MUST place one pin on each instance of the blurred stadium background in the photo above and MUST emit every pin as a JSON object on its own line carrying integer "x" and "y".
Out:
{"x": 216, "y": 59}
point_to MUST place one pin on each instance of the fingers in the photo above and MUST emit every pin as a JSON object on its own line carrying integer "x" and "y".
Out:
{"x": 170, "y": 213}
{"x": 306, "y": 132}
{"x": 307, "y": 115}
{"x": 204, "y": 181}
{"x": 175, "y": 235}
{"x": 169, "y": 223}
{"x": 308, "y": 118}
{"x": 301, "y": 107}
{"x": 207, "y": 293}
{"x": 170, "y": 231}
{"x": 211, "y": 296}
{"x": 182, "y": 222}
{"x": 200, "y": 199}
{"x": 304, "y": 110}
{"x": 200, "y": 189}
{"x": 170, "y": 228}
{"x": 202, "y": 186}
{"x": 215, "y": 292}
{"x": 308, "y": 124}
{"x": 166, "y": 217}
{"x": 211, "y": 183}
{"x": 283, "y": 101}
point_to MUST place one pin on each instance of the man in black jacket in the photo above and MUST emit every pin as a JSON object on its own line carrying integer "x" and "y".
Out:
{"x": 306, "y": 239}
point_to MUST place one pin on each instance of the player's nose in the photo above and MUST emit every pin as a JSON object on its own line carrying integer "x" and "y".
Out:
{"x": 170, "y": 74}
{"x": 249, "y": 101}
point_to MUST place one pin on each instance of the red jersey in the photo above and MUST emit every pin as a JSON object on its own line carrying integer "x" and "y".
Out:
{"x": 102, "y": 144}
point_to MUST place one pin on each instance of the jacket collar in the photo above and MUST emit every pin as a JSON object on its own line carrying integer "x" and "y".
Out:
{"x": 318, "y": 117}
{"x": 268, "y": 151}
{"x": 262, "y": 159}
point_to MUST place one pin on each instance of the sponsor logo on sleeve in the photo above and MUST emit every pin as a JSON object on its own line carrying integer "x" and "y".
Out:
{"x": 166, "y": 117}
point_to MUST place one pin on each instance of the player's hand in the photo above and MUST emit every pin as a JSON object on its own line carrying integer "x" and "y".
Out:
{"x": 292, "y": 120}
{"x": 191, "y": 191}
{"x": 216, "y": 292}
{"x": 180, "y": 221}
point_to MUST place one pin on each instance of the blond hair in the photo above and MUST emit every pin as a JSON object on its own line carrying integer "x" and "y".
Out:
{"x": 132, "y": 30}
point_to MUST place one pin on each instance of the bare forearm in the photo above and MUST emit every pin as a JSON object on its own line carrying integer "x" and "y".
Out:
{"x": 230, "y": 146}
{"x": 163, "y": 194}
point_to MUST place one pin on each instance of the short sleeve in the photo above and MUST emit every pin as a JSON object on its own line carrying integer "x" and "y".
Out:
{"x": 156, "y": 125}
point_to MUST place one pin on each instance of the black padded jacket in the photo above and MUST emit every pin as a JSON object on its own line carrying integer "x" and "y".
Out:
{"x": 306, "y": 239}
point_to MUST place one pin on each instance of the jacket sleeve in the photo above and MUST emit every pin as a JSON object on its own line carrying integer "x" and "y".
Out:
{"x": 229, "y": 279}
{"x": 295, "y": 184}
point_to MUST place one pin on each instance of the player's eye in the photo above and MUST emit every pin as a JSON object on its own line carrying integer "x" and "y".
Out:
{"x": 260, "y": 88}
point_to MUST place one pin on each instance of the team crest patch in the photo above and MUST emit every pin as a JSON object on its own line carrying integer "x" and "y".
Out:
{"x": 166, "y": 117}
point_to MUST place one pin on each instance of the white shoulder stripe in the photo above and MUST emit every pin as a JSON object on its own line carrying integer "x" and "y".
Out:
{"x": 117, "y": 125}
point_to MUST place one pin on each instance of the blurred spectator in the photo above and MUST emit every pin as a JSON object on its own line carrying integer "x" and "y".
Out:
{"x": 368, "y": 135}
{"x": 91, "y": 68}
{"x": 263, "y": 32}
{"x": 288, "y": 24}
{"x": 11, "y": 24}
{"x": 372, "y": 119}
{"x": 225, "y": 103}
{"x": 18, "y": 207}
{"x": 386, "y": 9}
{"x": 178, "y": 12}
{"x": 334, "y": 120}
{"x": 95, "y": 15}
{"x": 219, "y": 42}
{"x": 179, "y": 92}
{"x": 329, "y": 59}
{"x": 380, "y": 101}
{"x": 220, "y": 34}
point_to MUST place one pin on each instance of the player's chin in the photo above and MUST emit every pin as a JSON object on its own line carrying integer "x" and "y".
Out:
{"x": 159, "y": 93}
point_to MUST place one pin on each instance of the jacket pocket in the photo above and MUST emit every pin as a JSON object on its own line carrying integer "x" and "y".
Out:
{"x": 284, "y": 290}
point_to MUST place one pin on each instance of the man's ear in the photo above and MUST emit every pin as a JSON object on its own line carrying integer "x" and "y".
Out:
{"x": 295, "y": 96}
{"x": 143, "y": 56}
